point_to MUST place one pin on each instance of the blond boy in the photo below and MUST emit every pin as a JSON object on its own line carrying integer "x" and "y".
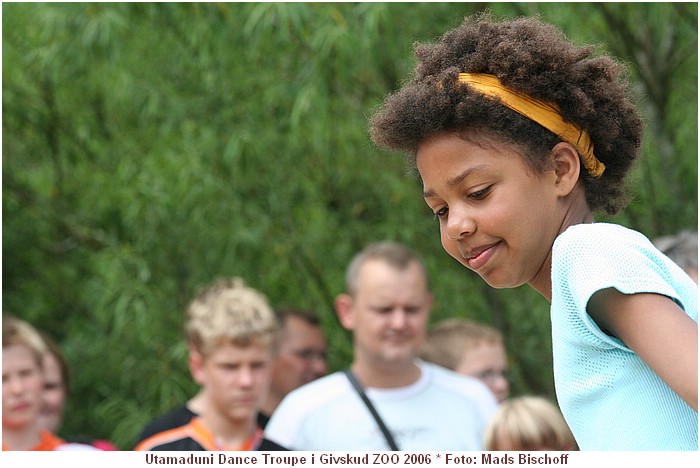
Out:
{"x": 231, "y": 331}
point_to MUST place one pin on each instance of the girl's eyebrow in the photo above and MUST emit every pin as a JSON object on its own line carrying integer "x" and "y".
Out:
{"x": 456, "y": 180}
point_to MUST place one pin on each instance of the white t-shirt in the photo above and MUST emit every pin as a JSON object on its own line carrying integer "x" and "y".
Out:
{"x": 443, "y": 410}
{"x": 72, "y": 446}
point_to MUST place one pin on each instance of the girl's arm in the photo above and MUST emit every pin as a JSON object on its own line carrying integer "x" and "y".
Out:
{"x": 658, "y": 331}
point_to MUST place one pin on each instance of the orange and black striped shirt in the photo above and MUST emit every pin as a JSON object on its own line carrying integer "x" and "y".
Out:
{"x": 194, "y": 436}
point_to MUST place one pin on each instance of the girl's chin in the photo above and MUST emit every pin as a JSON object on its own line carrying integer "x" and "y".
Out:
{"x": 498, "y": 282}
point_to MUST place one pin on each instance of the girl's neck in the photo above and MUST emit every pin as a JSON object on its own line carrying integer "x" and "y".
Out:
{"x": 577, "y": 212}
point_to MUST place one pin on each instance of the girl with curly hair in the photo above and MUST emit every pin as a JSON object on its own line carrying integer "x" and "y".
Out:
{"x": 519, "y": 137}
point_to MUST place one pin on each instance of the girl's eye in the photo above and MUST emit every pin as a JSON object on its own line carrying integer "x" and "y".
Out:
{"x": 441, "y": 214}
{"x": 479, "y": 194}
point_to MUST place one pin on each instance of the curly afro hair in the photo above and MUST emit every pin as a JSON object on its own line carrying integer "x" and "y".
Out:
{"x": 531, "y": 57}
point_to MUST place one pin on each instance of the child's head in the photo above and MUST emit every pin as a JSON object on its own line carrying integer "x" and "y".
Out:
{"x": 23, "y": 352}
{"x": 517, "y": 134}
{"x": 229, "y": 312}
{"x": 56, "y": 378}
{"x": 528, "y": 423}
{"x": 472, "y": 349}
{"x": 534, "y": 59}
{"x": 232, "y": 333}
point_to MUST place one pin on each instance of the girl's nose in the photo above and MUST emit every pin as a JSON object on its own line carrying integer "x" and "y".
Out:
{"x": 460, "y": 223}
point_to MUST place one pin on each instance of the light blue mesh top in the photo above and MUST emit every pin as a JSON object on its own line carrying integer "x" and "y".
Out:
{"x": 611, "y": 399}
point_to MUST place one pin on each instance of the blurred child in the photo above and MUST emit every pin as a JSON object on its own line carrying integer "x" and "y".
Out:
{"x": 300, "y": 358}
{"x": 56, "y": 384}
{"x": 56, "y": 378}
{"x": 528, "y": 423}
{"x": 470, "y": 348}
{"x": 231, "y": 331}
{"x": 23, "y": 352}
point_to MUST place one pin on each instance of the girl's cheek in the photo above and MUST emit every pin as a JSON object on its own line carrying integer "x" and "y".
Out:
{"x": 450, "y": 247}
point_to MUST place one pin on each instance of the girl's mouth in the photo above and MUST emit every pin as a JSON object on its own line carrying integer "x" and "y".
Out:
{"x": 479, "y": 257}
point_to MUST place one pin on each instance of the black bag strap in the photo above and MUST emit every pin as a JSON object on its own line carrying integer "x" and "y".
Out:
{"x": 370, "y": 407}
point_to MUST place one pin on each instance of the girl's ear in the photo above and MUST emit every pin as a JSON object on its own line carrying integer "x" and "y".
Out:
{"x": 567, "y": 167}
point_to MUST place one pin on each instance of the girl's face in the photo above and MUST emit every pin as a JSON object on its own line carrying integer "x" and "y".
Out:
{"x": 497, "y": 217}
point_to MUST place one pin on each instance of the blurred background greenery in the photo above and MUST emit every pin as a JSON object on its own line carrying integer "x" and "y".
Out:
{"x": 149, "y": 148}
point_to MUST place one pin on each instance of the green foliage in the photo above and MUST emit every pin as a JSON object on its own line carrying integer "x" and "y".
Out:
{"x": 150, "y": 147}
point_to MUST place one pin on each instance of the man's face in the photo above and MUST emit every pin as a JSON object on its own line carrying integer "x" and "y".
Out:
{"x": 301, "y": 357}
{"x": 22, "y": 387}
{"x": 388, "y": 314}
{"x": 236, "y": 379}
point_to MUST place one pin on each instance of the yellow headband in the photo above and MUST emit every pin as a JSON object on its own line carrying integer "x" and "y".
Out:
{"x": 543, "y": 113}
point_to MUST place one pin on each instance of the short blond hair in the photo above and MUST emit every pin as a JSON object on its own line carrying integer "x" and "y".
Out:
{"x": 528, "y": 423}
{"x": 396, "y": 255}
{"x": 18, "y": 332}
{"x": 448, "y": 340}
{"x": 229, "y": 312}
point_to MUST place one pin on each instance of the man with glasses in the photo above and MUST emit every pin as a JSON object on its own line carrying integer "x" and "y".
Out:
{"x": 300, "y": 359}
